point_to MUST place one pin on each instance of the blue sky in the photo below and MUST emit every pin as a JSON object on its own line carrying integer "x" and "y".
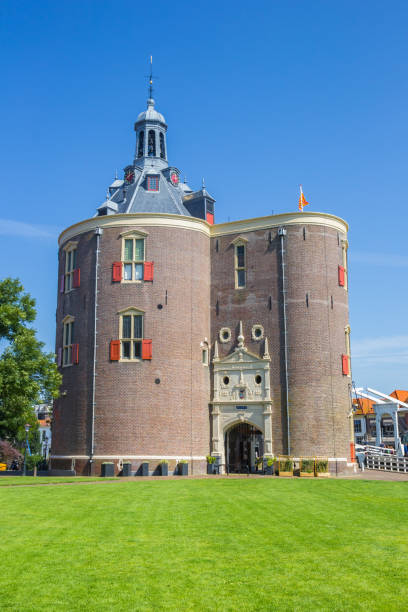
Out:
{"x": 258, "y": 98}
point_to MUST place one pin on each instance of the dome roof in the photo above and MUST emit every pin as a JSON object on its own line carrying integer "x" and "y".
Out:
{"x": 150, "y": 114}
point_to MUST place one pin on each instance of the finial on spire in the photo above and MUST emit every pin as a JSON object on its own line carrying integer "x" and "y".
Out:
{"x": 240, "y": 336}
{"x": 151, "y": 78}
{"x": 203, "y": 183}
{"x": 108, "y": 194}
{"x": 116, "y": 174}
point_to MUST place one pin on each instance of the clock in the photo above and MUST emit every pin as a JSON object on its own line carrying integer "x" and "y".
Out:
{"x": 129, "y": 176}
{"x": 174, "y": 178}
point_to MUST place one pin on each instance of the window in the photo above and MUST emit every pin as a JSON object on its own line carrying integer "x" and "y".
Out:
{"x": 344, "y": 246}
{"x": 71, "y": 279}
{"x": 225, "y": 334}
{"x": 69, "y": 349}
{"x": 346, "y": 357}
{"x": 204, "y": 353}
{"x": 162, "y": 149}
{"x": 140, "y": 144}
{"x": 131, "y": 335}
{"x": 133, "y": 258}
{"x": 153, "y": 183}
{"x": 240, "y": 266}
{"x": 151, "y": 144}
{"x": 257, "y": 332}
{"x": 357, "y": 426}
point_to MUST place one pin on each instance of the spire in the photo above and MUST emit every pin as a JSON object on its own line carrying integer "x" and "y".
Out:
{"x": 266, "y": 350}
{"x": 240, "y": 336}
{"x": 151, "y": 78}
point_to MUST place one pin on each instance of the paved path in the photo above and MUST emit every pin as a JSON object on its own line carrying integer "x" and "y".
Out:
{"x": 366, "y": 475}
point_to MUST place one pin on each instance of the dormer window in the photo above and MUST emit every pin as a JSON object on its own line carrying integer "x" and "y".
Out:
{"x": 153, "y": 183}
{"x": 151, "y": 144}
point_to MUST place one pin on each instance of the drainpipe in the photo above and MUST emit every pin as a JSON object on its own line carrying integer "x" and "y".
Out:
{"x": 98, "y": 234}
{"x": 282, "y": 234}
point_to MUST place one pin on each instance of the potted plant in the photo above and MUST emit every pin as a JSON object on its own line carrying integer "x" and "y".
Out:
{"x": 307, "y": 468}
{"x": 145, "y": 468}
{"x": 285, "y": 466}
{"x": 183, "y": 467}
{"x": 107, "y": 469}
{"x": 322, "y": 468}
{"x": 164, "y": 466}
{"x": 211, "y": 461}
{"x": 268, "y": 464}
{"x": 127, "y": 468}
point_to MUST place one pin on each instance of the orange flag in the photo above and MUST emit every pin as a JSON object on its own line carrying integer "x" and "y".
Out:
{"x": 302, "y": 200}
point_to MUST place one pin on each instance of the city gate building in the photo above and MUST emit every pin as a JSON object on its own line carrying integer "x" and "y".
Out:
{"x": 178, "y": 337}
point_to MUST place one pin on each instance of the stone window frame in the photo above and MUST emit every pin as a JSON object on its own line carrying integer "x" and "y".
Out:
{"x": 221, "y": 335}
{"x": 240, "y": 241}
{"x": 70, "y": 250}
{"x": 133, "y": 235}
{"x": 205, "y": 353}
{"x": 68, "y": 328}
{"x": 131, "y": 311}
{"x": 253, "y": 332}
{"x": 347, "y": 331}
{"x": 344, "y": 247}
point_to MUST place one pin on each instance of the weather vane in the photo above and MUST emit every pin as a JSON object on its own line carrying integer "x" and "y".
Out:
{"x": 150, "y": 77}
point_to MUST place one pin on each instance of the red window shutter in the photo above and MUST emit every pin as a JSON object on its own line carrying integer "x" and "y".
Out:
{"x": 210, "y": 218}
{"x": 75, "y": 353}
{"x": 341, "y": 276}
{"x": 148, "y": 270}
{"x": 115, "y": 350}
{"x": 62, "y": 283}
{"x": 345, "y": 364}
{"x": 77, "y": 278}
{"x": 117, "y": 271}
{"x": 59, "y": 357}
{"x": 146, "y": 349}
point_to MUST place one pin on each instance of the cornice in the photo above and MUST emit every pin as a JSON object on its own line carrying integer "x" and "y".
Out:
{"x": 286, "y": 219}
{"x": 136, "y": 219}
{"x": 199, "y": 225}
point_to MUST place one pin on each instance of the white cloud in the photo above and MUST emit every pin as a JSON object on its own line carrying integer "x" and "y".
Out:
{"x": 380, "y": 259}
{"x": 9, "y": 227}
{"x": 383, "y": 349}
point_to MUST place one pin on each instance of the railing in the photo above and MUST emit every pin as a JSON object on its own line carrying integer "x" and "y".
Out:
{"x": 388, "y": 463}
{"x": 374, "y": 450}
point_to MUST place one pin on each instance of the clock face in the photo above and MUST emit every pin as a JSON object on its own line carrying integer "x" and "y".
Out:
{"x": 174, "y": 178}
{"x": 129, "y": 176}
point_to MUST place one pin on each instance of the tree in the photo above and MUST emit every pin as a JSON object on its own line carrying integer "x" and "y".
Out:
{"x": 27, "y": 373}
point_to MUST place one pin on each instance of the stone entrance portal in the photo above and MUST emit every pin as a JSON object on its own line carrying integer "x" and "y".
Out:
{"x": 244, "y": 444}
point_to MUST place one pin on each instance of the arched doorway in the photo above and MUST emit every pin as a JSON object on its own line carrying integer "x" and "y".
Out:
{"x": 244, "y": 443}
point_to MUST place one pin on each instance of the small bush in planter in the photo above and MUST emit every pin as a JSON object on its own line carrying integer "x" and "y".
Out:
{"x": 268, "y": 463}
{"x": 285, "y": 467}
{"x": 211, "y": 464}
{"x": 164, "y": 466}
{"x": 322, "y": 468}
{"x": 108, "y": 468}
{"x": 307, "y": 467}
{"x": 183, "y": 467}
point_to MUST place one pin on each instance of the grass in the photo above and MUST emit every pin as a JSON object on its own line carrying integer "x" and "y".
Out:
{"x": 205, "y": 545}
{"x": 6, "y": 481}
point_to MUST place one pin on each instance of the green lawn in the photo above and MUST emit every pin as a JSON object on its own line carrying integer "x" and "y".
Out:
{"x": 6, "y": 481}
{"x": 216, "y": 545}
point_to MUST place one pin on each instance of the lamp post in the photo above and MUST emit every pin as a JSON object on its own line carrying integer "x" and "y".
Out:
{"x": 27, "y": 429}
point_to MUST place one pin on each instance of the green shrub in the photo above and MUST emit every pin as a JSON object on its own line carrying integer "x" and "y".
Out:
{"x": 270, "y": 461}
{"x": 322, "y": 465}
{"x": 107, "y": 463}
{"x": 210, "y": 459}
{"x": 286, "y": 465}
{"x": 164, "y": 461}
{"x": 127, "y": 463}
{"x": 307, "y": 465}
{"x": 183, "y": 461}
{"x": 33, "y": 461}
